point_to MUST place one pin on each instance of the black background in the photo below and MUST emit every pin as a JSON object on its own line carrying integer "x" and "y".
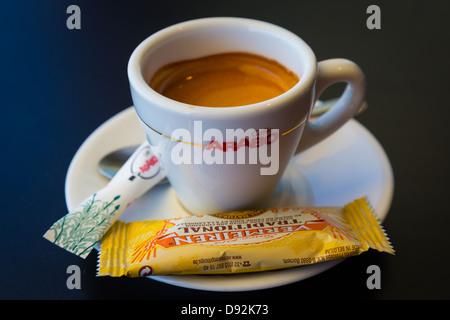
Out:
{"x": 58, "y": 85}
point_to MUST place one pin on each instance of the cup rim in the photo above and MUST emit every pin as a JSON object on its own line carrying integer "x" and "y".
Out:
{"x": 141, "y": 86}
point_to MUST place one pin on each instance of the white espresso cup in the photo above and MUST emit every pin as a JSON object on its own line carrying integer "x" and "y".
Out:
{"x": 232, "y": 158}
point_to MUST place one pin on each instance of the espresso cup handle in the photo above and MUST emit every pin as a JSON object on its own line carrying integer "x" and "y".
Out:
{"x": 330, "y": 72}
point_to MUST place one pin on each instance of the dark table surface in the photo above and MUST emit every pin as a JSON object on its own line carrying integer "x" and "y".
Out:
{"x": 58, "y": 85}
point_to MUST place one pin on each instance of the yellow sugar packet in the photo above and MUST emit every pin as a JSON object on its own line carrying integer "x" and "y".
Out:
{"x": 241, "y": 241}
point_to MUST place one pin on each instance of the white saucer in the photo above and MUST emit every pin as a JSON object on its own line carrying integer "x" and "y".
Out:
{"x": 349, "y": 164}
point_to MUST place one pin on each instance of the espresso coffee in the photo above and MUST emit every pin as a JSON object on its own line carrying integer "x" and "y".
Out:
{"x": 223, "y": 80}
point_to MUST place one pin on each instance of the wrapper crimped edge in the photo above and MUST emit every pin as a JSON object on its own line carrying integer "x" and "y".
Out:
{"x": 367, "y": 225}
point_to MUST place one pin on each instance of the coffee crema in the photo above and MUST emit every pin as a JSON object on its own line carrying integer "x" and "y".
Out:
{"x": 223, "y": 80}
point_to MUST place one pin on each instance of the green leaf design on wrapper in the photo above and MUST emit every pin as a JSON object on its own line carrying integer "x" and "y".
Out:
{"x": 79, "y": 231}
